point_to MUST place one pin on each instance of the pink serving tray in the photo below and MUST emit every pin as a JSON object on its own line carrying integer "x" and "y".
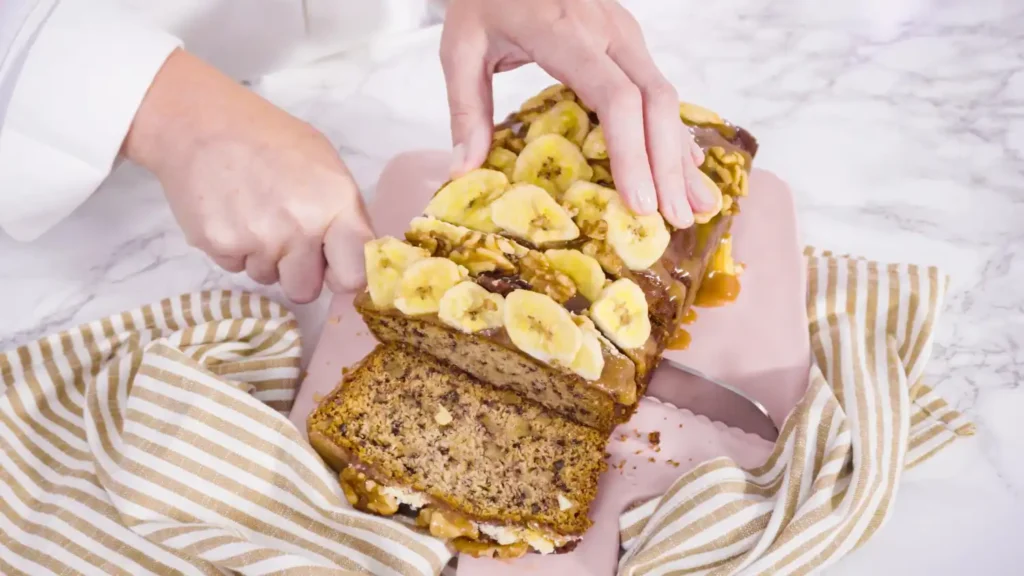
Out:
{"x": 758, "y": 344}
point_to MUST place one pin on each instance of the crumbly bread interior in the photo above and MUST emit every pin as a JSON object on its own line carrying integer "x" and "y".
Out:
{"x": 413, "y": 421}
{"x": 500, "y": 366}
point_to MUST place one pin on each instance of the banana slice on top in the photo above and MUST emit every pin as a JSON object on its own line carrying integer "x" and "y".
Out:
{"x": 424, "y": 283}
{"x": 602, "y": 176}
{"x": 585, "y": 271}
{"x": 531, "y": 108}
{"x": 541, "y": 327}
{"x": 566, "y": 119}
{"x": 460, "y": 235}
{"x": 706, "y": 216}
{"x": 553, "y": 163}
{"x": 621, "y": 314}
{"x": 430, "y": 225}
{"x": 594, "y": 146}
{"x": 529, "y": 212}
{"x": 502, "y": 160}
{"x": 638, "y": 240}
{"x": 694, "y": 114}
{"x": 386, "y": 259}
{"x": 590, "y": 201}
{"x": 589, "y": 361}
{"x": 466, "y": 200}
{"x": 468, "y": 307}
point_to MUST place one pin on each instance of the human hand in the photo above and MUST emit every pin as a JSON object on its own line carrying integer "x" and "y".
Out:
{"x": 596, "y": 48}
{"x": 252, "y": 186}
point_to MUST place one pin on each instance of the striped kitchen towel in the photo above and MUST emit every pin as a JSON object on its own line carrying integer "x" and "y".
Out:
{"x": 154, "y": 442}
{"x": 831, "y": 480}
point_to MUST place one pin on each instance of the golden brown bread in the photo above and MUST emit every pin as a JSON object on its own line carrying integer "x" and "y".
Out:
{"x": 408, "y": 421}
{"x": 565, "y": 237}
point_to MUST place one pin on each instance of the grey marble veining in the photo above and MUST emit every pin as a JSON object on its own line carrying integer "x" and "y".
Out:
{"x": 899, "y": 125}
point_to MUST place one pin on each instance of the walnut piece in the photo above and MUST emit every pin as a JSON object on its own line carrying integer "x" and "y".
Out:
{"x": 726, "y": 170}
{"x": 535, "y": 269}
{"x": 446, "y": 525}
{"x": 365, "y": 494}
{"x": 478, "y": 252}
{"x": 490, "y": 550}
{"x": 606, "y": 257}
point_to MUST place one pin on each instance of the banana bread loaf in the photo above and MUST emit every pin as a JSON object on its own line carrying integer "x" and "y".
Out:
{"x": 492, "y": 473}
{"x": 532, "y": 275}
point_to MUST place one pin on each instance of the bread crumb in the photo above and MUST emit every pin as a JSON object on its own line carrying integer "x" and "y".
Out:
{"x": 564, "y": 503}
{"x": 654, "y": 438}
{"x": 334, "y": 319}
{"x": 673, "y": 463}
{"x": 650, "y": 459}
{"x": 607, "y": 455}
{"x": 639, "y": 451}
{"x": 622, "y": 438}
{"x": 317, "y": 397}
{"x": 657, "y": 448}
{"x": 443, "y": 417}
{"x": 680, "y": 425}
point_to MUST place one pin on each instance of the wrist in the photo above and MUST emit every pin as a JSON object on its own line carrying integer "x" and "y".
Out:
{"x": 183, "y": 106}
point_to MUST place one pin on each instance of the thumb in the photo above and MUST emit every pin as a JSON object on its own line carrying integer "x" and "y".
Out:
{"x": 343, "y": 250}
{"x": 471, "y": 105}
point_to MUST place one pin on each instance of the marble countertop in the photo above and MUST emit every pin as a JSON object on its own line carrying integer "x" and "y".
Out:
{"x": 899, "y": 125}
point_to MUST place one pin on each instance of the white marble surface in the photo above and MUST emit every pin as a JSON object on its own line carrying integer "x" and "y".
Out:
{"x": 898, "y": 123}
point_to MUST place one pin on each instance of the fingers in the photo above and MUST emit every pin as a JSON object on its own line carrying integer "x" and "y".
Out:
{"x": 343, "y": 248}
{"x": 261, "y": 268}
{"x": 696, "y": 152}
{"x": 470, "y": 101}
{"x": 674, "y": 154}
{"x": 229, "y": 263}
{"x": 666, "y": 147}
{"x": 302, "y": 271}
{"x": 700, "y": 197}
{"x": 601, "y": 83}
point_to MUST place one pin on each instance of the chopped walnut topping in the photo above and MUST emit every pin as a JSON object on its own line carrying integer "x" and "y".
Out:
{"x": 446, "y": 525}
{"x": 365, "y": 494}
{"x": 537, "y": 270}
{"x": 490, "y": 550}
{"x": 726, "y": 170}
{"x": 606, "y": 257}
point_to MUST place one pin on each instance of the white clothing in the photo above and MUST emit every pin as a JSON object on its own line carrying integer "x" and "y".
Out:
{"x": 74, "y": 72}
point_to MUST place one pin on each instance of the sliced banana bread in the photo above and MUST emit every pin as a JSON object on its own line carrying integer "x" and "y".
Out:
{"x": 531, "y": 273}
{"x": 493, "y": 473}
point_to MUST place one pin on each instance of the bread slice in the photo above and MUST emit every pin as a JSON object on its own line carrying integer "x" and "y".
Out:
{"x": 542, "y": 217}
{"x": 492, "y": 473}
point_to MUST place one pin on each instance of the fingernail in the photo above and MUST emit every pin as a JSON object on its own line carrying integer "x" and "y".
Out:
{"x": 647, "y": 199}
{"x": 679, "y": 213}
{"x": 458, "y": 159}
{"x": 684, "y": 220}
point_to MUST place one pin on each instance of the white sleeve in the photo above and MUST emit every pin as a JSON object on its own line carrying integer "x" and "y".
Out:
{"x": 71, "y": 81}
